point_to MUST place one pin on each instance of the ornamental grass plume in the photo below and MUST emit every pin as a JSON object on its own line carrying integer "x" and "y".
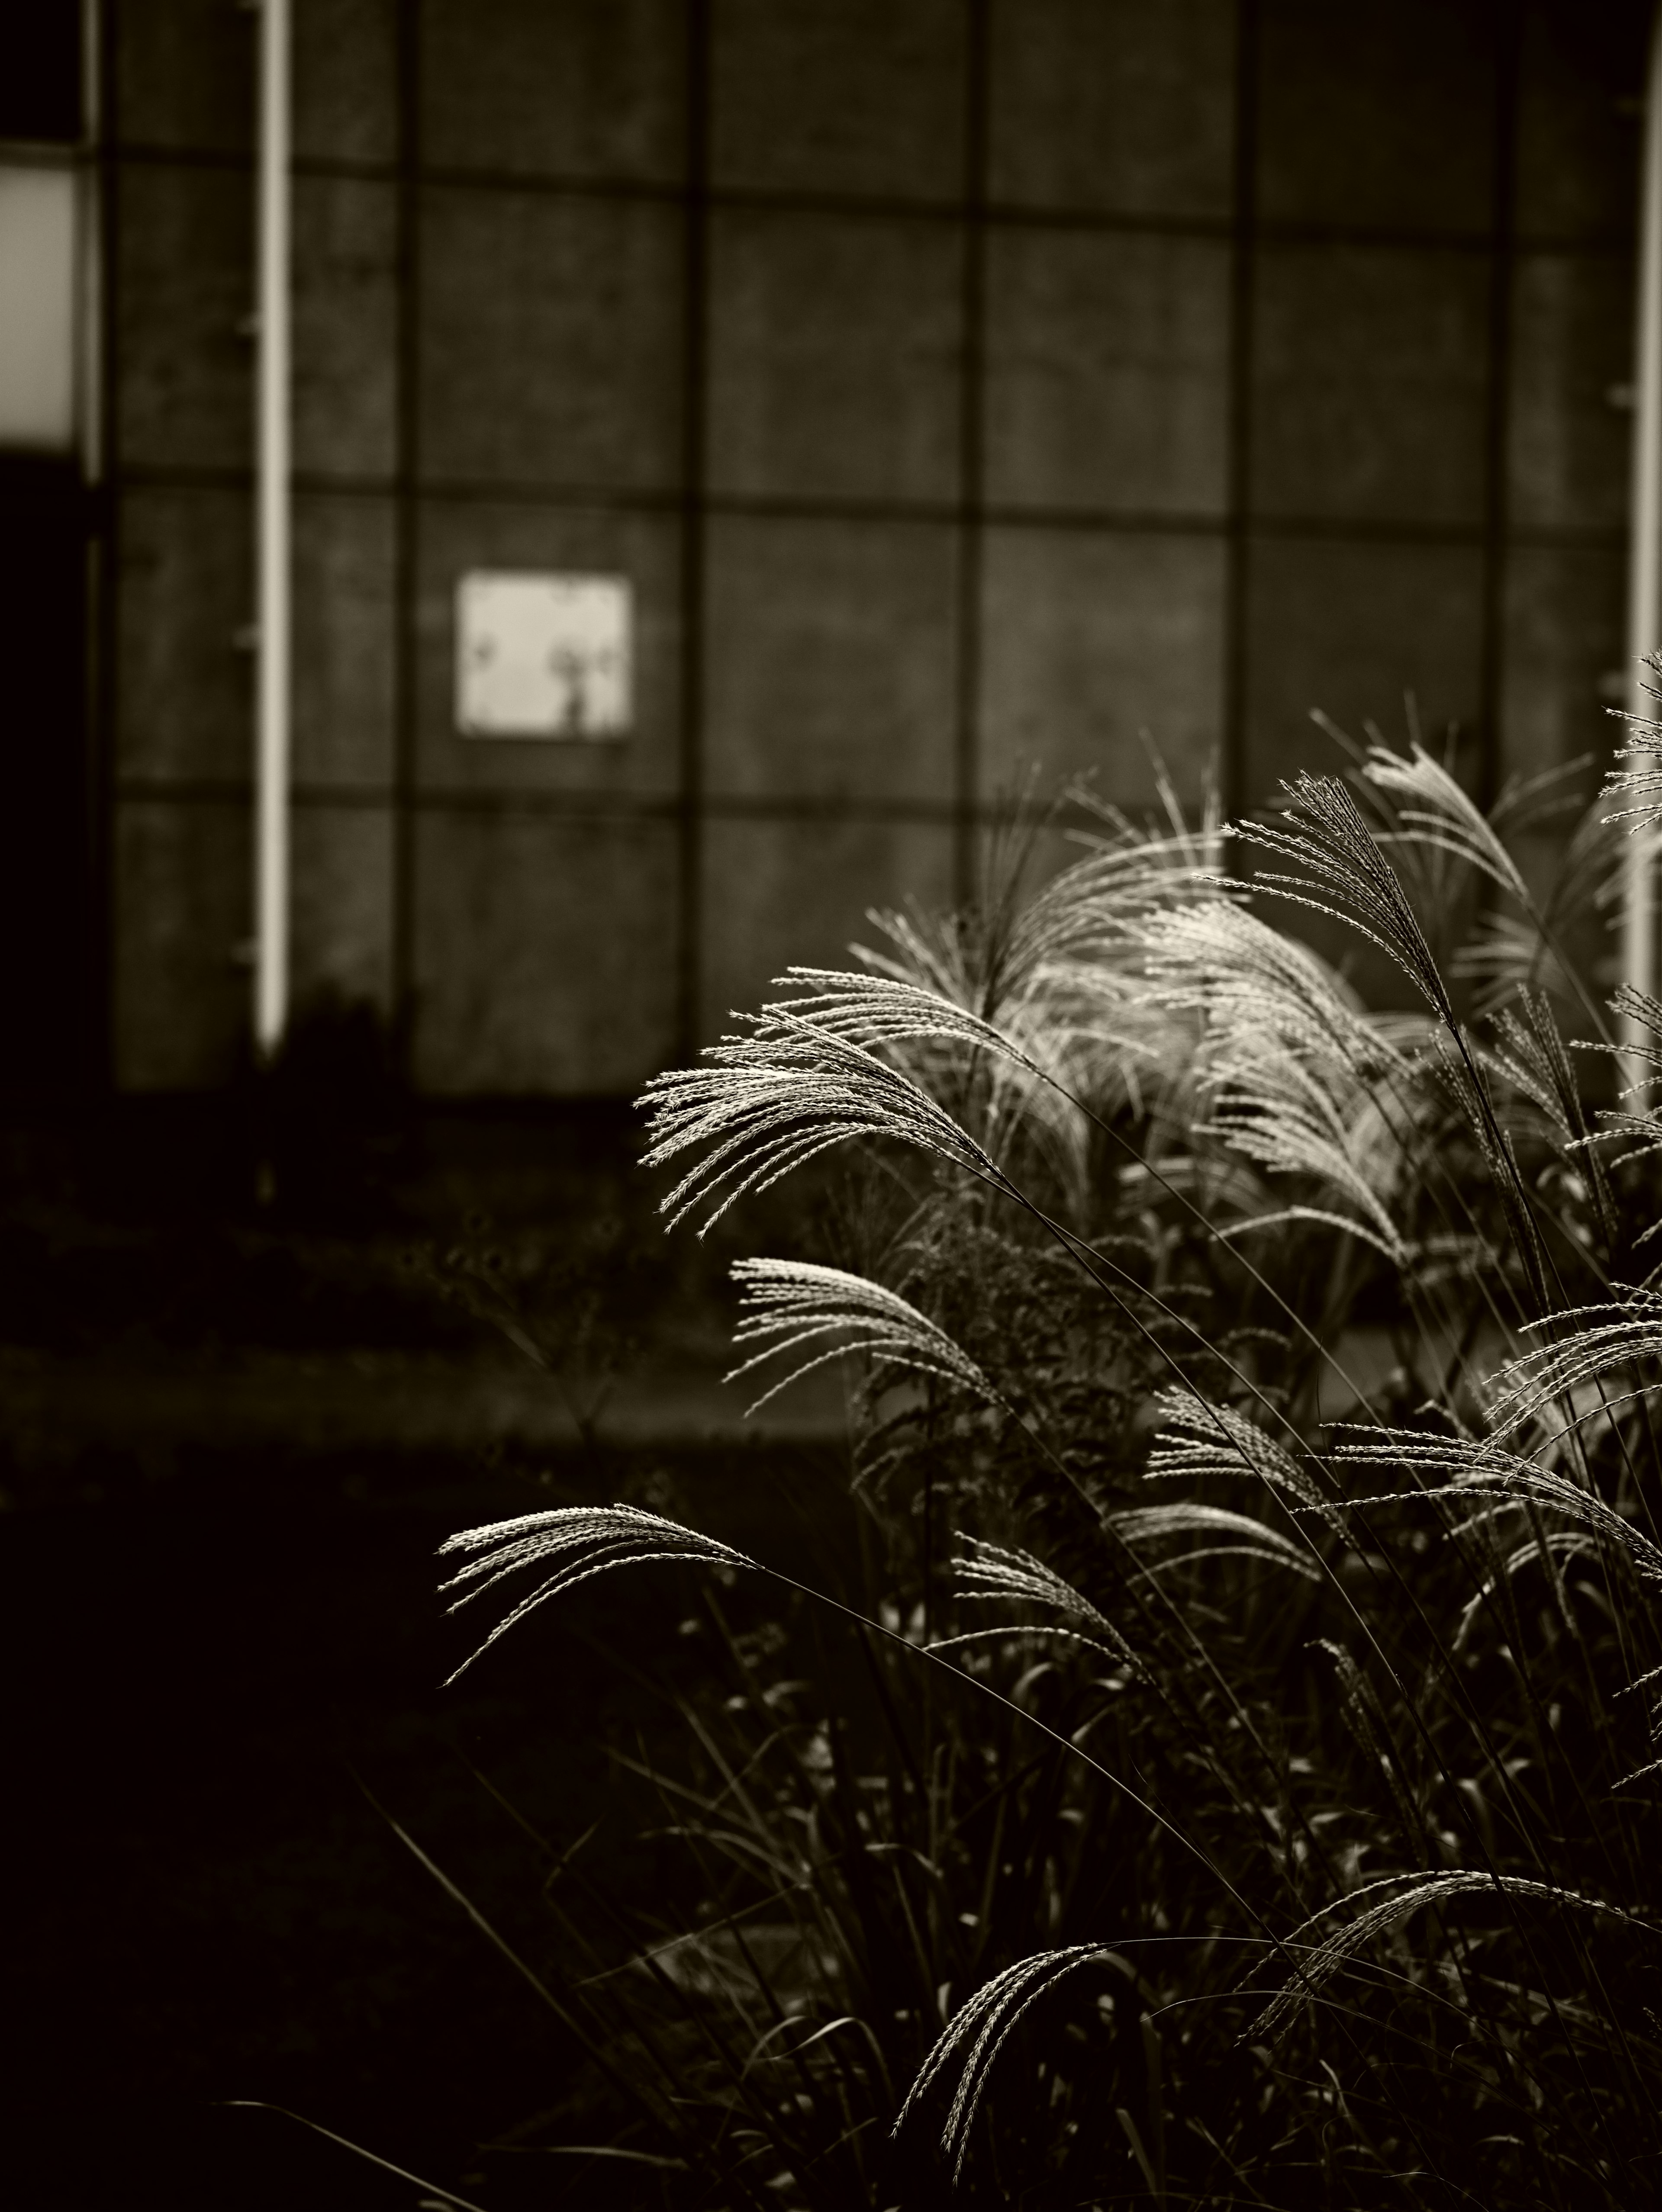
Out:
{"x": 793, "y": 1307}
{"x": 1290, "y": 1835}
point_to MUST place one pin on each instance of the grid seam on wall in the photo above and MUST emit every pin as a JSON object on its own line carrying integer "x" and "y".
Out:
{"x": 691, "y": 885}
{"x": 968, "y": 510}
{"x": 1502, "y": 276}
{"x": 858, "y": 206}
{"x": 1232, "y": 760}
{"x": 403, "y": 982}
{"x": 579, "y": 499}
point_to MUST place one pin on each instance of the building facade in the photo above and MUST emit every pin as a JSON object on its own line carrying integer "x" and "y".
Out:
{"x": 958, "y": 386}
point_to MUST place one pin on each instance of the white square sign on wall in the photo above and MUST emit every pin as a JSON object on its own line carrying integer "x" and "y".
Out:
{"x": 543, "y": 656}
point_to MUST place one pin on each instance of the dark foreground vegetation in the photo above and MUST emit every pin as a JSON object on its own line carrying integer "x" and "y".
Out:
{"x": 1231, "y": 1776}
{"x": 1200, "y": 1749}
{"x": 235, "y": 1429}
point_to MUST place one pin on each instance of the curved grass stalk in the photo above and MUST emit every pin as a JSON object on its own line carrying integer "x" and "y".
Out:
{"x": 793, "y": 1087}
{"x": 583, "y": 1541}
{"x": 1336, "y": 866}
{"x": 1188, "y": 1445}
{"x": 1481, "y": 1469}
{"x": 990, "y": 2017}
{"x": 1642, "y": 783}
{"x": 988, "y": 1572}
{"x": 1325, "y": 1959}
{"x": 1153, "y": 1524}
{"x": 1440, "y": 814}
{"x": 587, "y": 1540}
{"x": 796, "y": 1306}
{"x": 772, "y": 1100}
{"x": 829, "y": 1301}
{"x": 1527, "y": 1386}
{"x": 865, "y": 1016}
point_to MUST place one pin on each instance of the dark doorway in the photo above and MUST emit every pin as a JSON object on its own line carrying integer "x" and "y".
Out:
{"x": 45, "y": 872}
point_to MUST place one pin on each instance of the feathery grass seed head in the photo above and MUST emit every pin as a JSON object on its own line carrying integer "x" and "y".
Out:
{"x": 572, "y": 1544}
{"x": 797, "y": 1307}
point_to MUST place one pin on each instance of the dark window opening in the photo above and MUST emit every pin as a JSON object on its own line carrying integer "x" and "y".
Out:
{"x": 40, "y": 71}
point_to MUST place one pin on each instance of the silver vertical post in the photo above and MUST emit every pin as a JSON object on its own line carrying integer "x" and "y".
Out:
{"x": 271, "y": 547}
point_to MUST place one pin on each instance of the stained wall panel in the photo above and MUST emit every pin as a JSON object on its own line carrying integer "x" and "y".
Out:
{"x": 1563, "y": 638}
{"x": 184, "y": 76}
{"x": 1094, "y": 637}
{"x": 182, "y": 922}
{"x": 779, "y": 892}
{"x": 1350, "y": 627}
{"x": 1129, "y": 109}
{"x": 342, "y": 906}
{"x": 344, "y": 691}
{"x": 830, "y": 659}
{"x": 184, "y": 287}
{"x": 1578, "y": 121}
{"x": 545, "y": 952}
{"x": 184, "y": 590}
{"x": 550, "y": 333}
{"x": 1107, "y": 371}
{"x": 1380, "y": 115}
{"x": 1570, "y": 441}
{"x": 344, "y": 391}
{"x": 583, "y": 89}
{"x": 346, "y": 78}
{"x": 839, "y": 96}
{"x": 835, "y": 356}
{"x": 1369, "y": 384}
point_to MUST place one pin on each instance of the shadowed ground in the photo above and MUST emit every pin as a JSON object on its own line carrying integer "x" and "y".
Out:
{"x": 235, "y": 1433}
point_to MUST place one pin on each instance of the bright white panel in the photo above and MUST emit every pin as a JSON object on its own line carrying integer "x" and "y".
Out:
{"x": 542, "y": 656}
{"x": 37, "y": 308}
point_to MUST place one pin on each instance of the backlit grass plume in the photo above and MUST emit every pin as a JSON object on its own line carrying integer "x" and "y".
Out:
{"x": 1197, "y": 1439}
{"x": 1365, "y": 1704}
{"x": 1433, "y": 808}
{"x": 1640, "y": 782}
{"x": 1296, "y": 1077}
{"x": 982, "y": 2029}
{"x": 1333, "y": 863}
{"x": 570, "y": 1545}
{"x": 1590, "y": 1343}
{"x": 1237, "y": 1535}
{"x": 804, "y": 1314}
{"x": 1409, "y": 1894}
{"x": 987, "y": 1573}
{"x": 771, "y": 1099}
{"x": 1480, "y": 1472}
{"x": 995, "y": 959}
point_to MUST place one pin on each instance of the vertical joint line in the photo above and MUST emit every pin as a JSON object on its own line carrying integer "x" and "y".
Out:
{"x": 972, "y": 459}
{"x": 1502, "y": 228}
{"x": 406, "y": 467}
{"x": 695, "y": 276}
{"x": 1232, "y": 760}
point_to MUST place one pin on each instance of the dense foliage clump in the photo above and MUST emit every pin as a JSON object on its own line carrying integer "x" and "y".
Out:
{"x": 1239, "y": 1782}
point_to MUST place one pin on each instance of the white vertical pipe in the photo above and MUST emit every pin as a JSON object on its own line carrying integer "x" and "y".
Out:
{"x": 271, "y": 550}
{"x": 1644, "y": 557}
{"x": 89, "y": 248}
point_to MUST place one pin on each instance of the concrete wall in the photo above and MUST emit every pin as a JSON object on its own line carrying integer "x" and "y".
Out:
{"x": 959, "y": 385}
